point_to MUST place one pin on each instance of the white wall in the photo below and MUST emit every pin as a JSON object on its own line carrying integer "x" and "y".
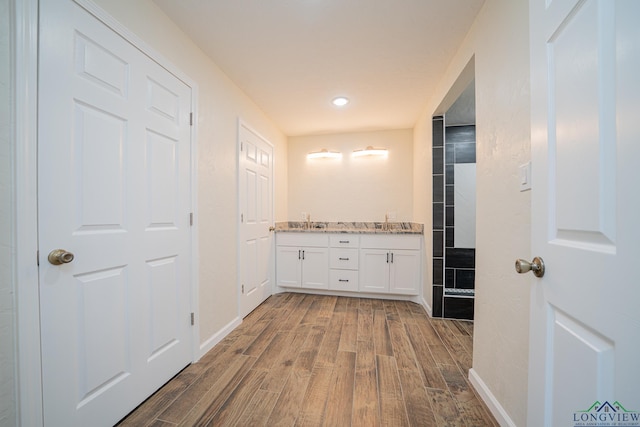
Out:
{"x": 499, "y": 40}
{"x": 351, "y": 189}
{"x": 220, "y": 105}
{"x": 7, "y": 310}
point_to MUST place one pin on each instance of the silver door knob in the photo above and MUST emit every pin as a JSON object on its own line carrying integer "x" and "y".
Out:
{"x": 60, "y": 256}
{"x": 537, "y": 266}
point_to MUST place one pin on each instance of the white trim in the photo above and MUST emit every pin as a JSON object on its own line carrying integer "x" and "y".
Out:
{"x": 214, "y": 339}
{"x": 490, "y": 400}
{"x": 195, "y": 252}
{"x": 426, "y": 306}
{"x": 25, "y": 127}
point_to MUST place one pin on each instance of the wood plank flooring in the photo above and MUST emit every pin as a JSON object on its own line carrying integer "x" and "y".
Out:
{"x": 310, "y": 360}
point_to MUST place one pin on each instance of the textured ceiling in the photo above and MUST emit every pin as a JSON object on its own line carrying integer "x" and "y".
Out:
{"x": 292, "y": 57}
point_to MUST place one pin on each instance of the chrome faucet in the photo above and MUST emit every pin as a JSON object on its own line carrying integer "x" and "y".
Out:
{"x": 308, "y": 224}
{"x": 385, "y": 226}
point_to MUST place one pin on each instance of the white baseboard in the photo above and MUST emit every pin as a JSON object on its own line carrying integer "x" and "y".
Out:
{"x": 427, "y": 307}
{"x": 490, "y": 400}
{"x": 214, "y": 339}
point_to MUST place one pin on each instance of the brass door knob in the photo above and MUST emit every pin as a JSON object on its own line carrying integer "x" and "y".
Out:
{"x": 272, "y": 228}
{"x": 60, "y": 256}
{"x": 537, "y": 266}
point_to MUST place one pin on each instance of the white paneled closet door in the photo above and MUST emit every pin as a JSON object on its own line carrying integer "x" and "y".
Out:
{"x": 113, "y": 190}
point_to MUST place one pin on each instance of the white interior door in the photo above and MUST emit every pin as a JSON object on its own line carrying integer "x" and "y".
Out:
{"x": 256, "y": 260}
{"x": 114, "y": 190}
{"x": 585, "y": 321}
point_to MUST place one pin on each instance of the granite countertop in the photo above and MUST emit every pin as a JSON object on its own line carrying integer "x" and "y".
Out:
{"x": 351, "y": 227}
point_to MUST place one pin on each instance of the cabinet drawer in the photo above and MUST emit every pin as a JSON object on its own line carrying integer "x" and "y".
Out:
{"x": 344, "y": 240}
{"x": 346, "y": 259}
{"x": 343, "y": 280}
{"x": 390, "y": 241}
{"x": 302, "y": 239}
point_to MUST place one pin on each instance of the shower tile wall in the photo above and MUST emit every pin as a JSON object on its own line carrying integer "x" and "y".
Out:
{"x": 453, "y": 268}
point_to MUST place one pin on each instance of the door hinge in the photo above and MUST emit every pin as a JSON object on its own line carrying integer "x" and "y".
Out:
{"x": 190, "y": 119}
{"x": 241, "y": 146}
{"x": 191, "y": 219}
{"x": 241, "y": 217}
{"x": 193, "y": 319}
{"x": 38, "y": 258}
{"x": 242, "y": 289}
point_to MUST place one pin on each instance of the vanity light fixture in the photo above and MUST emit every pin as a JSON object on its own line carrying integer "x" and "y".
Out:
{"x": 340, "y": 101}
{"x": 324, "y": 154}
{"x": 370, "y": 151}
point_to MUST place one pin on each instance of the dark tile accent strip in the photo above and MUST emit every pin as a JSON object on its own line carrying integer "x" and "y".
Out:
{"x": 449, "y": 154}
{"x": 449, "y": 240}
{"x": 438, "y": 244}
{"x": 438, "y": 132}
{"x": 449, "y": 174}
{"x": 458, "y": 308}
{"x": 465, "y": 279}
{"x": 449, "y": 278}
{"x": 438, "y": 270}
{"x": 460, "y": 258}
{"x": 438, "y": 189}
{"x": 438, "y": 160}
{"x": 438, "y": 216}
{"x": 465, "y": 153}
{"x": 449, "y": 222}
{"x": 449, "y": 195}
{"x": 456, "y": 134}
{"x": 437, "y": 301}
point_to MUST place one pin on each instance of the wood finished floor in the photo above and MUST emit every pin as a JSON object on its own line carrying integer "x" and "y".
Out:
{"x": 310, "y": 360}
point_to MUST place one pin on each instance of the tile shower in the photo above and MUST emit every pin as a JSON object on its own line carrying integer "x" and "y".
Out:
{"x": 454, "y": 157}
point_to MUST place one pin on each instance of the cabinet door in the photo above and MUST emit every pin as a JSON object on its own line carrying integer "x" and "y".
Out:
{"x": 374, "y": 270}
{"x": 315, "y": 268}
{"x": 404, "y": 273}
{"x": 288, "y": 266}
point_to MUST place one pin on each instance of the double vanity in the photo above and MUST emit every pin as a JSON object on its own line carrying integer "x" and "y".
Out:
{"x": 350, "y": 258}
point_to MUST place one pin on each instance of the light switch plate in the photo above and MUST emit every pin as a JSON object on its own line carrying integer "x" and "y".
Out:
{"x": 525, "y": 176}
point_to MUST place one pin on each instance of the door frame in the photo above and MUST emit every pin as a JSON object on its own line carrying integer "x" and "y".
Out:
{"x": 28, "y": 365}
{"x": 272, "y": 264}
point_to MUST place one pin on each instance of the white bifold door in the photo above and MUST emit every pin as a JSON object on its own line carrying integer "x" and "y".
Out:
{"x": 113, "y": 191}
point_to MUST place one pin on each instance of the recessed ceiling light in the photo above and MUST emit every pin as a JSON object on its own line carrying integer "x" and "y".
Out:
{"x": 340, "y": 101}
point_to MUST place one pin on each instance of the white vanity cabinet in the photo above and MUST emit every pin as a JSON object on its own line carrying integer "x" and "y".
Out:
{"x": 302, "y": 260}
{"x": 390, "y": 264}
{"x": 350, "y": 262}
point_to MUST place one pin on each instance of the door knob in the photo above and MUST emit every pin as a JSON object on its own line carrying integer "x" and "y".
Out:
{"x": 537, "y": 266}
{"x": 272, "y": 228}
{"x": 60, "y": 256}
